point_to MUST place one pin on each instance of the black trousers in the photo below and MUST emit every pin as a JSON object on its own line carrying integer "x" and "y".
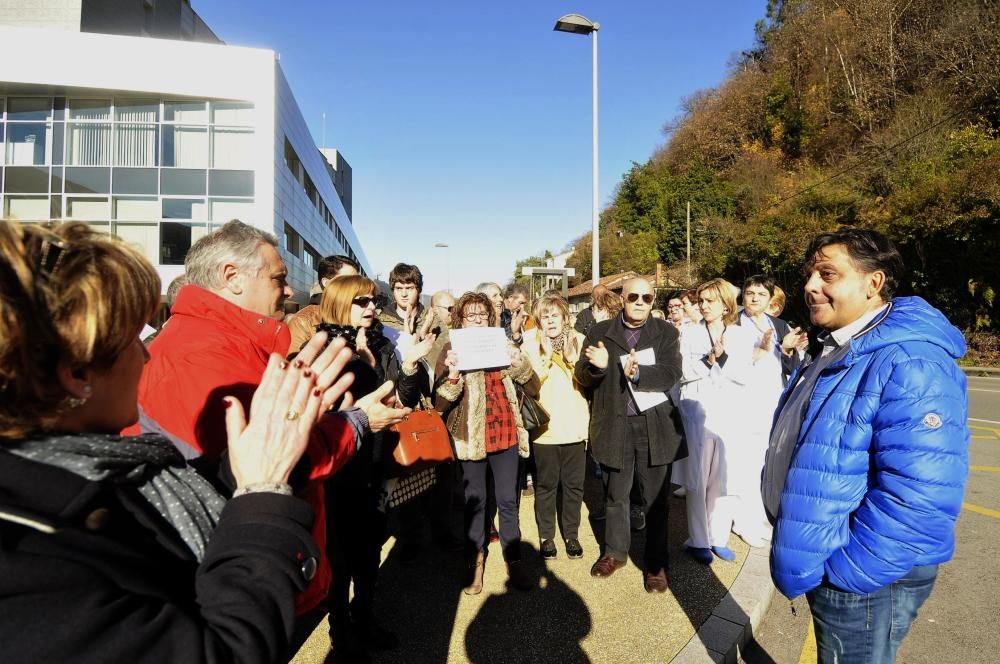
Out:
{"x": 559, "y": 466}
{"x": 654, "y": 487}
{"x": 355, "y": 532}
{"x": 504, "y": 469}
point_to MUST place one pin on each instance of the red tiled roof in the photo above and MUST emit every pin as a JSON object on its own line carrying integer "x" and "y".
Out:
{"x": 612, "y": 282}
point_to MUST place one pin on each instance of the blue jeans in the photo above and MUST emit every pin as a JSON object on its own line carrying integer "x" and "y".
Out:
{"x": 868, "y": 629}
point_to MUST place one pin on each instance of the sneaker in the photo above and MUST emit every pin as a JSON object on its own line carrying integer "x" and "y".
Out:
{"x": 637, "y": 518}
{"x": 680, "y": 493}
{"x": 548, "y": 549}
{"x": 724, "y": 552}
{"x": 573, "y": 549}
{"x": 702, "y": 555}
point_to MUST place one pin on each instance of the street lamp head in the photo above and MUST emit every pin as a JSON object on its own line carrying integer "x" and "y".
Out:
{"x": 441, "y": 244}
{"x": 577, "y": 24}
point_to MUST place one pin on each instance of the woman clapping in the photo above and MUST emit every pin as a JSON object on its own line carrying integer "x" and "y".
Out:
{"x": 559, "y": 446}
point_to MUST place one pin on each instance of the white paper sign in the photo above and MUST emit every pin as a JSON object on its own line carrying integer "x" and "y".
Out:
{"x": 480, "y": 347}
{"x": 644, "y": 400}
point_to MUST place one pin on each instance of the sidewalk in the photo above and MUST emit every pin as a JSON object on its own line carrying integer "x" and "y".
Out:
{"x": 982, "y": 371}
{"x": 569, "y": 617}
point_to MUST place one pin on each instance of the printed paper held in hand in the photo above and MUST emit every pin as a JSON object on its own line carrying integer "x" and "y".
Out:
{"x": 644, "y": 400}
{"x": 480, "y": 347}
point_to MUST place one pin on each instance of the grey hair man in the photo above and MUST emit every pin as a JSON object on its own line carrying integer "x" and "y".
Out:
{"x": 241, "y": 264}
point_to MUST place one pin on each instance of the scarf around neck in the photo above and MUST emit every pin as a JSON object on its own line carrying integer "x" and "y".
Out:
{"x": 150, "y": 463}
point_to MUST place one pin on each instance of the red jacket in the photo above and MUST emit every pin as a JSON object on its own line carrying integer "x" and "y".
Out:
{"x": 210, "y": 349}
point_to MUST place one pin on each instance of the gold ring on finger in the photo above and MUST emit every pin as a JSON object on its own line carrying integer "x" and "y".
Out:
{"x": 292, "y": 415}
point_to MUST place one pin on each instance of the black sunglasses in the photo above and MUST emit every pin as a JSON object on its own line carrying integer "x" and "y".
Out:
{"x": 364, "y": 300}
{"x": 646, "y": 297}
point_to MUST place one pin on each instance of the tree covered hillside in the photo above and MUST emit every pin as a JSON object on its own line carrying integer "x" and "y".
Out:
{"x": 876, "y": 113}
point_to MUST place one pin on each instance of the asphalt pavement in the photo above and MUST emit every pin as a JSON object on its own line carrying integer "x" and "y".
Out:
{"x": 959, "y": 622}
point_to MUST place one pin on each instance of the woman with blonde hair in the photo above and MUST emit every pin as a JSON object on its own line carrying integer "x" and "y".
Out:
{"x": 715, "y": 354}
{"x": 356, "y": 525}
{"x": 114, "y": 538}
{"x": 488, "y": 433}
{"x": 560, "y": 446}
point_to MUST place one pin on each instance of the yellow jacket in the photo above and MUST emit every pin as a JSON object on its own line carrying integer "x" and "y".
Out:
{"x": 561, "y": 397}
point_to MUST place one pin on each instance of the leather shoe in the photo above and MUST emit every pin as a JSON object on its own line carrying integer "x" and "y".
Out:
{"x": 573, "y": 548}
{"x": 655, "y": 583}
{"x": 548, "y": 549}
{"x": 606, "y": 566}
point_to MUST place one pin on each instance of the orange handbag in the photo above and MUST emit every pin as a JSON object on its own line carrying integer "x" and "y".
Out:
{"x": 423, "y": 441}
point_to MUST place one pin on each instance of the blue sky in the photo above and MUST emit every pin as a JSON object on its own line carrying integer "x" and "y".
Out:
{"x": 469, "y": 122}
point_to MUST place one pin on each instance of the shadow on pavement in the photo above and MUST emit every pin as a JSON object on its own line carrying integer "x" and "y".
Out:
{"x": 520, "y": 627}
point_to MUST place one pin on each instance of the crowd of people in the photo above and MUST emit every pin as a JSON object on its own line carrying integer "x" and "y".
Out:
{"x": 213, "y": 495}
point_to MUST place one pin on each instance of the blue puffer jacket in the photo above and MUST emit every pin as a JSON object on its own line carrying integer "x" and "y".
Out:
{"x": 877, "y": 476}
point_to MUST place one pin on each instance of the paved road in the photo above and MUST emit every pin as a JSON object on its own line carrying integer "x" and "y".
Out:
{"x": 959, "y": 621}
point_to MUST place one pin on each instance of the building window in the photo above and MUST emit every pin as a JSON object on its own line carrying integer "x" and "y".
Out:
{"x": 293, "y": 242}
{"x": 176, "y": 240}
{"x": 232, "y": 148}
{"x": 292, "y": 161}
{"x": 185, "y": 147}
{"x": 191, "y": 112}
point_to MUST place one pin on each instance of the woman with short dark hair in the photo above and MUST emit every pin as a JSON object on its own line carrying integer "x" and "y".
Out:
{"x": 484, "y": 418}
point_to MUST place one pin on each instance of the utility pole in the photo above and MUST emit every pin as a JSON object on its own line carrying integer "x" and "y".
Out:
{"x": 689, "y": 242}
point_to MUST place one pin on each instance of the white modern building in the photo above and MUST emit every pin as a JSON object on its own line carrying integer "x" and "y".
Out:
{"x": 160, "y": 140}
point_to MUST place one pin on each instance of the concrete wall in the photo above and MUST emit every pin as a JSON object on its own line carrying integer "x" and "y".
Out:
{"x": 51, "y": 14}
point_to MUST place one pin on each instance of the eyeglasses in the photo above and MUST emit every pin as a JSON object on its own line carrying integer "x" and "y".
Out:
{"x": 633, "y": 297}
{"x": 675, "y": 306}
{"x": 473, "y": 315}
{"x": 364, "y": 300}
{"x": 448, "y": 308}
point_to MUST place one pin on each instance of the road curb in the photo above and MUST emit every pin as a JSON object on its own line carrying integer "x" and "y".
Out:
{"x": 736, "y": 618}
{"x": 981, "y": 371}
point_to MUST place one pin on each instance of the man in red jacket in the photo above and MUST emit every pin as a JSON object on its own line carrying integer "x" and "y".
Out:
{"x": 224, "y": 326}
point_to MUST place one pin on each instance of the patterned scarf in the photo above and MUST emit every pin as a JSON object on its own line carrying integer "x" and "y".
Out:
{"x": 148, "y": 462}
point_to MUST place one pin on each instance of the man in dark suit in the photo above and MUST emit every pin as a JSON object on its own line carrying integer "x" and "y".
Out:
{"x": 628, "y": 360}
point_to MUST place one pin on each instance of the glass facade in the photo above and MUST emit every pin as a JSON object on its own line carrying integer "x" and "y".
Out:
{"x": 157, "y": 172}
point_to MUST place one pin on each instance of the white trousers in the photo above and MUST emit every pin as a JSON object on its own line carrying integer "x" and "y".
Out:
{"x": 709, "y": 510}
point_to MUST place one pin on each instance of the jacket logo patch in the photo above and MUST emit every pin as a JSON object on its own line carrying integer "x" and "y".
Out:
{"x": 932, "y": 421}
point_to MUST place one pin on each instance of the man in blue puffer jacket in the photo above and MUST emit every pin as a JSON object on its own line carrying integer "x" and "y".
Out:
{"x": 872, "y": 430}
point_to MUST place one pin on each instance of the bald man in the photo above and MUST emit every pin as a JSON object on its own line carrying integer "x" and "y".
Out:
{"x": 442, "y": 302}
{"x": 633, "y": 353}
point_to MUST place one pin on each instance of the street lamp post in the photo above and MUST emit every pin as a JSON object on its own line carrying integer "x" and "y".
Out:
{"x": 581, "y": 25}
{"x": 447, "y": 260}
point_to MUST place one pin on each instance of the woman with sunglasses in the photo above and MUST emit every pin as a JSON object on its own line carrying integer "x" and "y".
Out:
{"x": 112, "y": 548}
{"x": 355, "y": 523}
{"x": 485, "y": 422}
{"x": 716, "y": 358}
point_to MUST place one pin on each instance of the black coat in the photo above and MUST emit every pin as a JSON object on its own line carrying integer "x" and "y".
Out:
{"x": 608, "y": 413}
{"x": 89, "y": 572}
